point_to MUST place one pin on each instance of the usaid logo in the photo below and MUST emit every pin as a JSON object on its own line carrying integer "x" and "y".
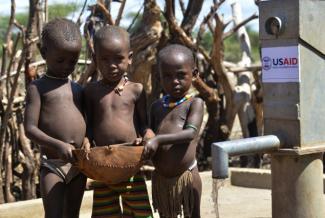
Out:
{"x": 283, "y": 62}
{"x": 280, "y": 64}
{"x": 266, "y": 63}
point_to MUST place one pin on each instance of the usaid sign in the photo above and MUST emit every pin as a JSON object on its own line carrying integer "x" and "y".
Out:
{"x": 280, "y": 64}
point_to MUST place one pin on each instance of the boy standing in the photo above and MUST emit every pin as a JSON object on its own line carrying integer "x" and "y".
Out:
{"x": 176, "y": 119}
{"x": 115, "y": 109}
{"x": 54, "y": 120}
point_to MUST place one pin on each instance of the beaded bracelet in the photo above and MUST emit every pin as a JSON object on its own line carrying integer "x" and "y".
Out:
{"x": 191, "y": 126}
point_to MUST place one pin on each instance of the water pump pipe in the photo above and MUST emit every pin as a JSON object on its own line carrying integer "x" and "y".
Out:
{"x": 222, "y": 150}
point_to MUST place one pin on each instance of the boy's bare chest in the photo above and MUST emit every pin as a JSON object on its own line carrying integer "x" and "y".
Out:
{"x": 171, "y": 120}
{"x": 61, "y": 95}
{"x": 114, "y": 102}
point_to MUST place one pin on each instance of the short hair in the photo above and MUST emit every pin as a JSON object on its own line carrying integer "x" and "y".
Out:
{"x": 176, "y": 48}
{"x": 58, "y": 30}
{"x": 107, "y": 32}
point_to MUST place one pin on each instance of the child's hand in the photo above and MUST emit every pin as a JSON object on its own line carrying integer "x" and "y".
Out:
{"x": 65, "y": 152}
{"x": 148, "y": 135}
{"x": 86, "y": 144}
{"x": 137, "y": 141}
{"x": 150, "y": 148}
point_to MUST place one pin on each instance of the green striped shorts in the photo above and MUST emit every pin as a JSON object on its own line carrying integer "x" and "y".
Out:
{"x": 134, "y": 195}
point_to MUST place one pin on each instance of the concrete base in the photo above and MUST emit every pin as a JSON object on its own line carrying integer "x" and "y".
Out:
{"x": 297, "y": 186}
{"x": 253, "y": 178}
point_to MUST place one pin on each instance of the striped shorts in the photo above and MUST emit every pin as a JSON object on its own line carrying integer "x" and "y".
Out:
{"x": 134, "y": 195}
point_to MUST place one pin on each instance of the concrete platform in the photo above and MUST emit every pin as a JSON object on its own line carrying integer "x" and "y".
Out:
{"x": 234, "y": 201}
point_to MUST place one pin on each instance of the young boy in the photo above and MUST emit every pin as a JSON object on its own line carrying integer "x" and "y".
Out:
{"x": 54, "y": 119}
{"x": 116, "y": 113}
{"x": 176, "y": 119}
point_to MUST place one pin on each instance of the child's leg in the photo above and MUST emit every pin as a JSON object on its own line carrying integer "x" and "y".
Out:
{"x": 106, "y": 201}
{"x": 136, "y": 200}
{"x": 73, "y": 196}
{"x": 197, "y": 188}
{"x": 52, "y": 192}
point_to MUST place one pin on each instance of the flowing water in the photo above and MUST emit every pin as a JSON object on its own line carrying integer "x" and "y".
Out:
{"x": 216, "y": 185}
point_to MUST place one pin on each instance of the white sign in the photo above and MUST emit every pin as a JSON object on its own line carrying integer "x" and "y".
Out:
{"x": 280, "y": 64}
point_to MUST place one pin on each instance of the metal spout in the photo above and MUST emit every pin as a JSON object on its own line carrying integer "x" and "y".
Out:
{"x": 222, "y": 150}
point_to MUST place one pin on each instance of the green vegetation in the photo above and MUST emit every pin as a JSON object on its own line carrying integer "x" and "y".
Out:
{"x": 62, "y": 10}
{"x": 130, "y": 16}
{"x": 232, "y": 46}
{"x": 55, "y": 10}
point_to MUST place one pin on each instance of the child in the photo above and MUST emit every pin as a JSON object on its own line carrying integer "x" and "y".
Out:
{"x": 54, "y": 119}
{"x": 176, "y": 119}
{"x": 116, "y": 113}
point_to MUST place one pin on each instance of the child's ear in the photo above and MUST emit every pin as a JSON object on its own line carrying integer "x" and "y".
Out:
{"x": 195, "y": 73}
{"x": 130, "y": 57}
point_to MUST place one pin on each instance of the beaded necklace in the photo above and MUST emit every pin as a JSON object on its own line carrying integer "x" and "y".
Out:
{"x": 167, "y": 103}
{"x": 119, "y": 89}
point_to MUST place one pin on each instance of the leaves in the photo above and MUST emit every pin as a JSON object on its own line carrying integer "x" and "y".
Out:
{"x": 55, "y": 10}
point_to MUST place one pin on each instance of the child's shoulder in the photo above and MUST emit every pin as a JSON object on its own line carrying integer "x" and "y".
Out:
{"x": 37, "y": 85}
{"x": 197, "y": 104}
{"x": 136, "y": 88}
{"x": 198, "y": 101}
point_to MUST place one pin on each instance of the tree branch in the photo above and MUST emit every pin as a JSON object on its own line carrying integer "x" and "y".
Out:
{"x": 206, "y": 21}
{"x": 8, "y": 110}
{"x": 105, "y": 12}
{"x": 7, "y": 46}
{"x": 81, "y": 12}
{"x": 30, "y": 33}
{"x": 10, "y": 25}
{"x": 120, "y": 12}
{"x": 227, "y": 114}
{"x": 191, "y": 14}
{"x": 135, "y": 18}
{"x": 243, "y": 23}
{"x": 181, "y": 33}
{"x": 182, "y": 5}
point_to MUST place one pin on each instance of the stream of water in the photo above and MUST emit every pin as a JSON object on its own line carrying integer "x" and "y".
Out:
{"x": 216, "y": 185}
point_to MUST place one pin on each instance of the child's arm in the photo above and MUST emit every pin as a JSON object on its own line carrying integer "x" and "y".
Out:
{"x": 87, "y": 110}
{"x": 142, "y": 116}
{"x": 191, "y": 128}
{"x": 32, "y": 113}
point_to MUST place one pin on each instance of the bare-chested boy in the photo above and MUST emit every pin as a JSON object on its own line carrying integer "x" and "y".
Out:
{"x": 176, "y": 119}
{"x": 116, "y": 113}
{"x": 54, "y": 119}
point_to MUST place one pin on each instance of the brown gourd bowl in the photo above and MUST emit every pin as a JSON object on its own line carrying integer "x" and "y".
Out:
{"x": 109, "y": 164}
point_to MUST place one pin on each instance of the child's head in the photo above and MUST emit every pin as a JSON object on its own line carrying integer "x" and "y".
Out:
{"x": 176, "y": 67}
{"x": 112, "y": 52}
{"x": 60, "y": 47}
